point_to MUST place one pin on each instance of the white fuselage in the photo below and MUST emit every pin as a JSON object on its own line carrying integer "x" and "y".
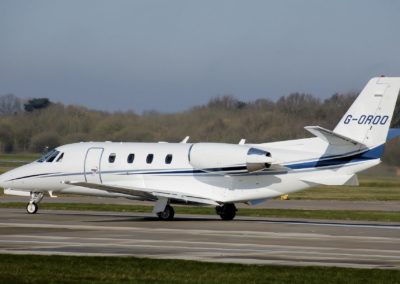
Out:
{"x": 112, "y": 164}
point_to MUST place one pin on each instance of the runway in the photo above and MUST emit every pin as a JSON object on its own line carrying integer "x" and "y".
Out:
{"x": 206, "y": 238}
{"x": 270, "y": 204}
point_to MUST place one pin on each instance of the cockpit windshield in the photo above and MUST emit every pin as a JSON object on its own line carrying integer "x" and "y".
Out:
{"x": 49, "y": 156}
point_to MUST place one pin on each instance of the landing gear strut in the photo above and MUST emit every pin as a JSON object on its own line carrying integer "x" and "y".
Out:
{"x": 32, "y": 206}
{"x": 226, "y": 211}
{"x": 167, "y": 214}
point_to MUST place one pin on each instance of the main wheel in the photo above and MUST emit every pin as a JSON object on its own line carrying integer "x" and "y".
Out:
{"x": 167, "y": 214}
{"x": 32, "y": 208}
{"x": 227, "y": 211}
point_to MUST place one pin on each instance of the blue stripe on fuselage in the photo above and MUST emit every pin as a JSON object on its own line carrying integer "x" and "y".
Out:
{"x": 370, "y": 154}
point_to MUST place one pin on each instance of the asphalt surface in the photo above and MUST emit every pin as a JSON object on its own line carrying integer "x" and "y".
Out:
{"x": 205, "y": 238}
{"x": 272, "y": 204}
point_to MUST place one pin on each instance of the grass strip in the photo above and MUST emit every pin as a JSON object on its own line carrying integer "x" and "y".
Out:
{"x": 382, "y": 192}
{"x": 74, "y": 269}
{"x": 354, "y": 215}
{"x": 26, "y": 157}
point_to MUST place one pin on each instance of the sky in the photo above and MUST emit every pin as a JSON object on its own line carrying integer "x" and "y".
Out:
{"x": 171, "y": 55}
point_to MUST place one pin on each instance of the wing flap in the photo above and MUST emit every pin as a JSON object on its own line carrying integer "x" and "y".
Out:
{"x": 186, "y": 198}
{"x": 115, "y": 189}
{"x": 146, "y": 193}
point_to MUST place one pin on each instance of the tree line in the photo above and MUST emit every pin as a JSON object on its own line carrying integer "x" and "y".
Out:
{"x": 33, "y": 125}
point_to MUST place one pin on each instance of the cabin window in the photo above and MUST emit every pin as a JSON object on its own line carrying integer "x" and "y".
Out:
{"x": 168, "y": 159}
{"x": 111, "y": 158}
{"x": 149, "y": 158}
{"x": 59, "y": 159}
{"x": 131, "y": 158}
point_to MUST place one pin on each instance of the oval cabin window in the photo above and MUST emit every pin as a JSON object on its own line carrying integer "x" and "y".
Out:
{"x": 149, "y": 158}
{"x": 111, "y": 158}
{"x": 168, "y": 159}
{"x": 131, "y": 158}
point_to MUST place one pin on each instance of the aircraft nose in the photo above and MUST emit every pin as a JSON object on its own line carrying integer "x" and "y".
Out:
{"x": 5, "y": 180}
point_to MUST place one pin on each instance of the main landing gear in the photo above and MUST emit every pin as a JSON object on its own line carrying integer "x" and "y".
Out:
{"x": 167, "y": 214}
{"x": 32, "y": 206}
{"x": 226, "y": 211}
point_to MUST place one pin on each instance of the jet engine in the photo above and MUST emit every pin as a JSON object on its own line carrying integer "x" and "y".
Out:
{"x": 228, "y": 157}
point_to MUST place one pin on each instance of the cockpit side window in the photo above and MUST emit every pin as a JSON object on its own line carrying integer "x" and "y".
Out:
{"x": 49, "y": 156}
{"x": 45, "y": 156}
{"x": 59, "y": 159}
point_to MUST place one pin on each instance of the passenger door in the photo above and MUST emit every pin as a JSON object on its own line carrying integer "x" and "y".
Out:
{"x": 92, "y": 165}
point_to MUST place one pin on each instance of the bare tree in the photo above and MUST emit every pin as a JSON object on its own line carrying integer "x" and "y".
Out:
{"x": 9, "y": 104}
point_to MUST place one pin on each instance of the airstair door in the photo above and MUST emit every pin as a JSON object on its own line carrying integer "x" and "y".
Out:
{"x": 92, "y": 165}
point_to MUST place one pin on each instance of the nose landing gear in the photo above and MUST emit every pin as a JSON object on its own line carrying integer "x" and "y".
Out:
{"x": 32, "y": 206}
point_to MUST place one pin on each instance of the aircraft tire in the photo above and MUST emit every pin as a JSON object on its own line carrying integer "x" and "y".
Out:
{"x": 227, "y": 211}
{"x": 32, "y": 208}
{"x": 167, "y": 214}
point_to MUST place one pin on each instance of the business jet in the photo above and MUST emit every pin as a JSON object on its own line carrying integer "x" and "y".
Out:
{"x": 217, "y": 174}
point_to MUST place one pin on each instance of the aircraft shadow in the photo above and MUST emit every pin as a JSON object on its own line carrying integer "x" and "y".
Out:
{"x": 153, "y": 219}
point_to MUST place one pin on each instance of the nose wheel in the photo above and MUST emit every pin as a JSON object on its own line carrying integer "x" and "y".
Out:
{"x": 32, "y": 208}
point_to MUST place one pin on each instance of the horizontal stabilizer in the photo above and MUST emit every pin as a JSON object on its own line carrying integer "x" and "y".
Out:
{"x": 332, "y": 179}
{"x": 332, "y": 137}
{"x": 393, "y": 133}
{"x": 145, "y": 193}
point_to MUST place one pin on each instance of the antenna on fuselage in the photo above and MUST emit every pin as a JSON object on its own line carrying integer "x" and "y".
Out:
{"x": 45, "y": 150}
{"x": 185, "y": 140}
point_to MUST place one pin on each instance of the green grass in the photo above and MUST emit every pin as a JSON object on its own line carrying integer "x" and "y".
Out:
{"x": 361, "y": 215}
{"x": 371, "y": 188}
{"x": 26, "y": 157}
{"x": 364, "y": 192}
{"x": 10, "y": 161}
{"x": 72, "y": 269}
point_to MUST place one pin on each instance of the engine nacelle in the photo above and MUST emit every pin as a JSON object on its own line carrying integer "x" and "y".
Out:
{"x": 228, "y": 157}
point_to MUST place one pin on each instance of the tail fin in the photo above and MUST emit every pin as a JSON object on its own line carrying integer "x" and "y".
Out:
{"x": 368, "y": 119}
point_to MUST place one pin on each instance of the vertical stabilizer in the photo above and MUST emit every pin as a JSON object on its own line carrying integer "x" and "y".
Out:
{"x": 368, "y": 119}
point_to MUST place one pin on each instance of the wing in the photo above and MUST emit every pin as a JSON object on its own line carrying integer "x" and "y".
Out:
{"x": 146, "y": 193}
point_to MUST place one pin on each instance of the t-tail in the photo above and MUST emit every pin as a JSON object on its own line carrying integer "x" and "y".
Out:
{"x": 360, "y": 135}
{"x": 365, "y": 125}
{"x": 368, "y": 119}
